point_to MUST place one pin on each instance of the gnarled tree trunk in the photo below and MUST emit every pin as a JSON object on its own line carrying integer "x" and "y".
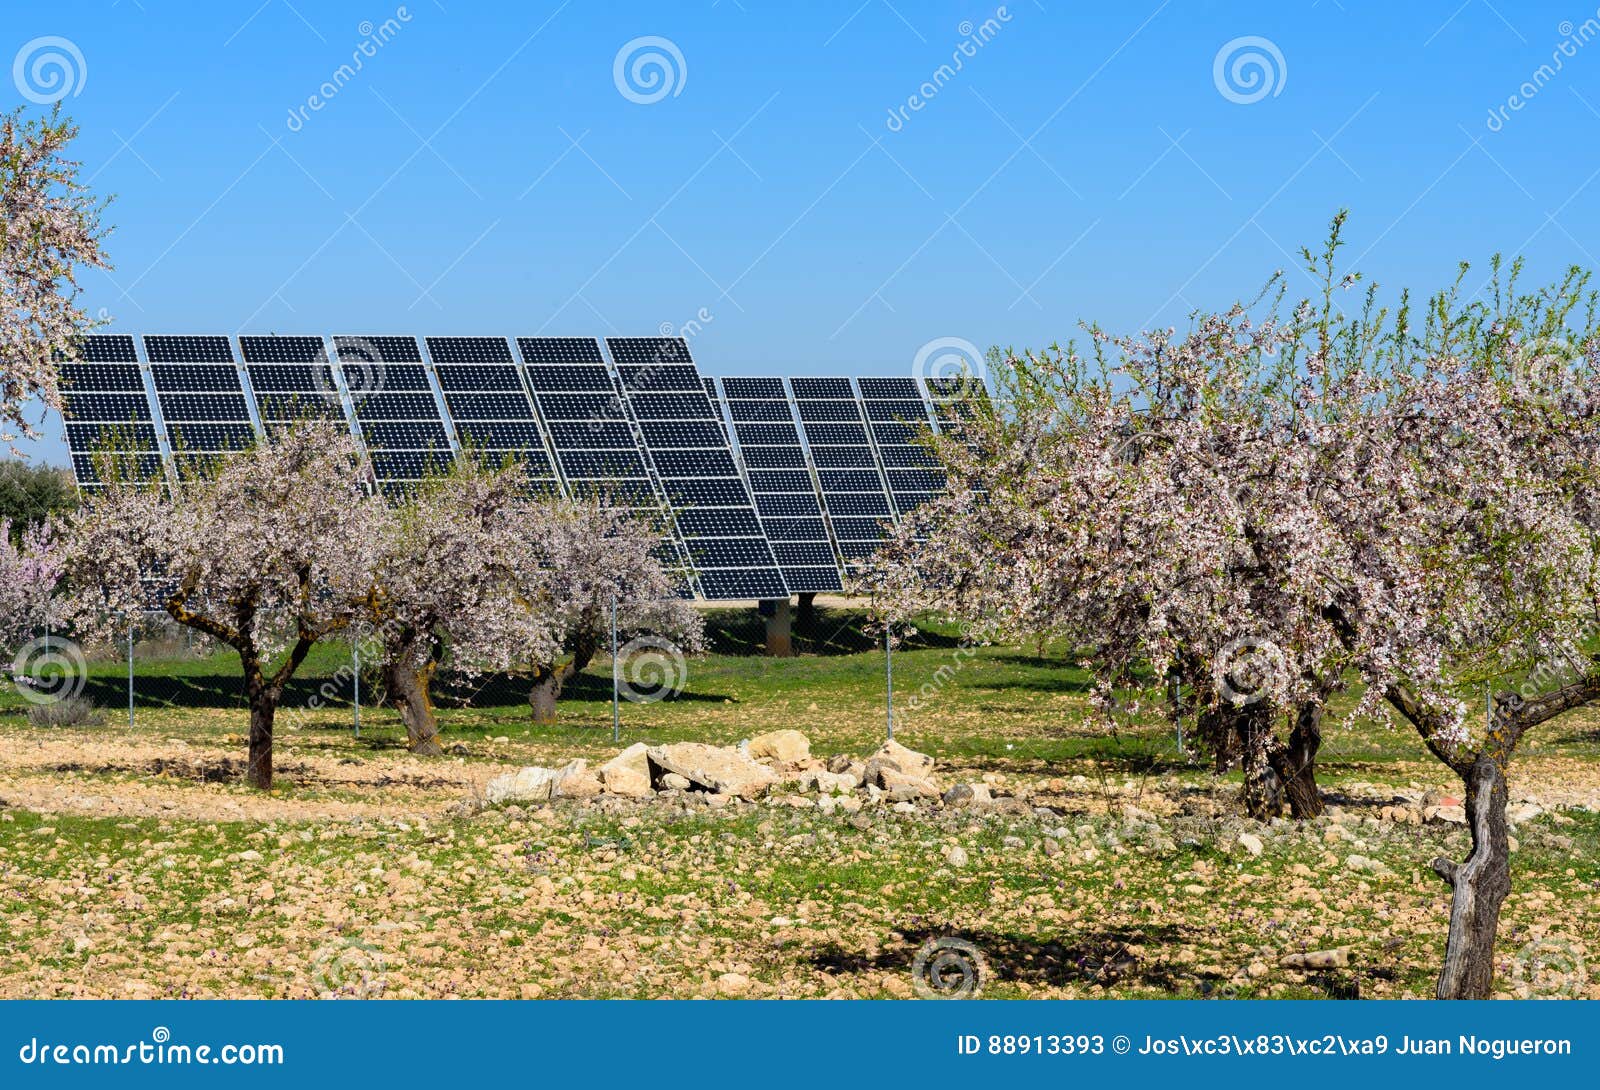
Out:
{"x": 1479, "y": 886}
{"x": 263, "y": 709}
{"x": 1263, "y": 790}
{"x": 1296, "y": 763}
{"x": 407, "y": 690}
{"x": 550, "y": 680}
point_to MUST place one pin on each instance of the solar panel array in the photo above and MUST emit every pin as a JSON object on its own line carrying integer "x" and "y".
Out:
{"x": 395, "y": 409}
{"x": 781, "y": 482}
{"x": 852, "y": 483}
{"x": 596, "y": 451}
{"x": 107, "y": 412}
{"x": 489, "y": 406}
{"x": 201, "y": 398}
{"x": 772, "y": 487}
{"x": 688, "y": 450}
{"x": 291, "y": 380}
{"x": 897, "y": 417}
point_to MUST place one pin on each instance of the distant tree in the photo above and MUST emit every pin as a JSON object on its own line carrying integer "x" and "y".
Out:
{"x": 49, "y": 229}
{"x": 29, "y": 494}
{"x": 589, "y": 557}
{"x": 267, "y": 554}
{"x": 30, "y": 568}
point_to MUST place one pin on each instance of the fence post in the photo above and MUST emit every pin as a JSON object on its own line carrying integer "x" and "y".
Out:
{"x": 888, "y": 673}
{"x": 355, "y": 658}
{"x": 616, "y": 685}
{"x": 130, "y": 671}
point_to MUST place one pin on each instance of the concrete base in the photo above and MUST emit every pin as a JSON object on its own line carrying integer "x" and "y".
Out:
{"x": 780, "y": 627}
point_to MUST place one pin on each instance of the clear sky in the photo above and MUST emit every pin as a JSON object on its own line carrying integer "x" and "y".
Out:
{"x": 485, "y": 169}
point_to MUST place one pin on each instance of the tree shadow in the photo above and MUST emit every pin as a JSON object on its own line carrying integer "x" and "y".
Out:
{"x": 1104, "y": 956}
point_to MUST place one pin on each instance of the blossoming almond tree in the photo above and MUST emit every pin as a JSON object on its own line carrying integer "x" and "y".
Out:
{"x": 590, "y": 556}
{"x": 452, "y": 575}
{"x": 30, "y": 568}
{"x": 1413, "y": 508}
{"x": 1158, "y": 513}
{"x": 267, "y": 554}
{"x": 49, "y": 229}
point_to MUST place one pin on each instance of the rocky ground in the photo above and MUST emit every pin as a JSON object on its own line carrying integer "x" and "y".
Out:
{"x": 133, "y": 865}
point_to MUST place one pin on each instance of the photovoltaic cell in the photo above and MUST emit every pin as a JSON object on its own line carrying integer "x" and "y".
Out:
{"x": 109, "y": 424}
{"x": 492, "y": 412}
{"x": 687, "y": 444}
{"x": 786, "y": 499}
{"x": 596, "y": 451}
{"x": 291, "y": 380}
{"x": 898, "y": 420}
{"x": 857, "y": 499}
{"x": 201, "y": 398}
{"x": 395, "y": 408}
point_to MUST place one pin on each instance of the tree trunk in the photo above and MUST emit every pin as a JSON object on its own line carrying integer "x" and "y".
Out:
{"x": 1296, "y": 763}
{"x": 548, "y": 682}
{"x": 263, "y": 708}
{"x": 407, "y": 690}
{"x": 1263, "y": 791}
{"x": 1480, "y": 885}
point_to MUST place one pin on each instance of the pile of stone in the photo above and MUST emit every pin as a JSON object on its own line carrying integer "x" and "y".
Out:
{"x": 777, "y": 766}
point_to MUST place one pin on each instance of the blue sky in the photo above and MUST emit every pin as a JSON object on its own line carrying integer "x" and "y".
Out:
{"x": 484, "y": 172}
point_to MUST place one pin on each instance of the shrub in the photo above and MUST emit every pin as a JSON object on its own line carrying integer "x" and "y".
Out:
{"x": 73, "y": 711}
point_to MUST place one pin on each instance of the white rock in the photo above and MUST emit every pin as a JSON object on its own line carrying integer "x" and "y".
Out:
{"x": 780, "y": 745}
{"x": 628, "y": 773}
{"x": 1251, "y": 843}
{"x": 532, "y": 784}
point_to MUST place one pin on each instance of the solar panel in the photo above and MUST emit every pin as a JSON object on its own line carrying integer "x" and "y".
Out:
{"x": 291, "y": 380}
{"x": 786, "y": 497}
{"x": 201, "y": 397}
{"x": 899, "y": 425}
{"x": 687, "y": 445}
{"x": 107, "y": 412}
{"x": 395, "y": 409}
{"x": 853, "y": 489}
{"x": 596, "y": 452}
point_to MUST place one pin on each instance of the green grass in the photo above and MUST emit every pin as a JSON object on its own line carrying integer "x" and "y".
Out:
{"x": 656, "y": 901}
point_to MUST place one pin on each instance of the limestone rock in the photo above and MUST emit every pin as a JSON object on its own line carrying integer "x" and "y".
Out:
{"x": 780, "y": 745}
{"x": 531, "y": 784}
{"x": 1250, "y": 843}
{"x": 967, "y": 794}
{"x": 577, "y": 781}
{"x": 714, "y": 768}
{"x": 1318, "y": 959}
{"x": 628, "y": 773}
{"x": 906, "y": 760}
